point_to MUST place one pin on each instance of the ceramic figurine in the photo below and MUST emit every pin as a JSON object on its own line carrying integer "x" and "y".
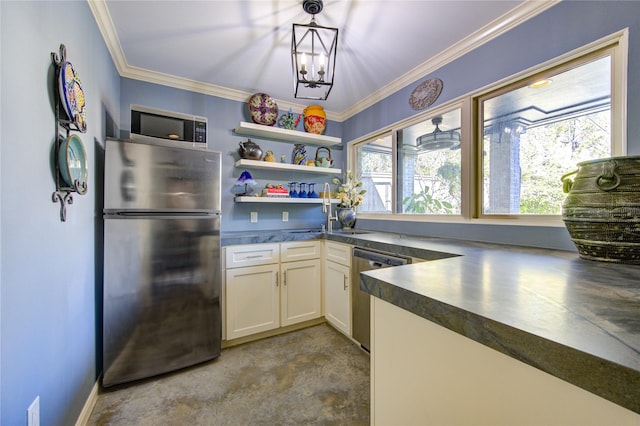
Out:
{"x": 287, "y": 121}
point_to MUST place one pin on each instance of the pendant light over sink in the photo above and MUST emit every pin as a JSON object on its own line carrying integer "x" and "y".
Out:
{"x": 313, "y": 55}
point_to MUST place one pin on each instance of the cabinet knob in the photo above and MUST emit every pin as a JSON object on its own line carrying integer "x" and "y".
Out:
{"x": 276, "y": 279}
{"x": 345, "y": 281}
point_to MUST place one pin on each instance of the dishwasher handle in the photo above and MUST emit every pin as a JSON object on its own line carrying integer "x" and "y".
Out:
{"x": 382, "y": 259}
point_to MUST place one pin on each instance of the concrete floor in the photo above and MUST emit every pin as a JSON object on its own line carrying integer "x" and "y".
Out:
{"x": 310, "y": 376}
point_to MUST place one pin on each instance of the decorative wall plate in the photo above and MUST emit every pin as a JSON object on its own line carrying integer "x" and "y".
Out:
{"x": 425, "y": 93}
{"x": 72, "y": 160}
{"x": 72, "y": 96}
{"x": 263, "y": 109}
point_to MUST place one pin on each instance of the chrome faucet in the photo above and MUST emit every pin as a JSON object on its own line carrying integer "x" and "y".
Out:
{"x": 326, "y": 206}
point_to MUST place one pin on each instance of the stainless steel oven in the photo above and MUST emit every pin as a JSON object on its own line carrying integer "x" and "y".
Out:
{"x": 366, "y": 260}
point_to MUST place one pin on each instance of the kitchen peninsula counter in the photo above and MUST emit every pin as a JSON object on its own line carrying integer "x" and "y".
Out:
{"x": 575, "y": 319}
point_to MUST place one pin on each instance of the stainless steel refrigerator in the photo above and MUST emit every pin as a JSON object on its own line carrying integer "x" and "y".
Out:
{"x": 162, "y": 277}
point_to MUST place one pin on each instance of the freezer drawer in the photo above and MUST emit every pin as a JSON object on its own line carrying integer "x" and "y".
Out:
{"x": 161, "y": 297}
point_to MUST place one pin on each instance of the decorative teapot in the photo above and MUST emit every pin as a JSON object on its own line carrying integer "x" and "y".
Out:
{"x": 323, "y": 161}
{"x": 250, "y": 150}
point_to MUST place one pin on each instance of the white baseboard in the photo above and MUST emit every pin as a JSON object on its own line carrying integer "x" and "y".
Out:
{"x": 83, "y": 418}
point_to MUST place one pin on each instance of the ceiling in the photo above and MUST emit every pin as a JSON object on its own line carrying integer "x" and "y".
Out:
{"x": 236, "y": 48}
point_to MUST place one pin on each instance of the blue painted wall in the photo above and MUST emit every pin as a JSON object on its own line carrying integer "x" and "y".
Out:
{"x": 49, "y": 271}
{"x": 223, "y": 116}
{"x": 560, "y": 29}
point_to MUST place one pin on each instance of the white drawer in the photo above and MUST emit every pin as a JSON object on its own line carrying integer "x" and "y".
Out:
{"x": 251, "y": 255}
{"x": 299, "y": 250}
{"x": 337, "y": 252}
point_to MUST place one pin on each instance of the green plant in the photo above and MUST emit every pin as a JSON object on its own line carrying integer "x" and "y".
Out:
{"x": 424, "y": 202}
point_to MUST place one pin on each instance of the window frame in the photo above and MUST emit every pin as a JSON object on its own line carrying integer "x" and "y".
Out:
{"x": 472, "y": 128}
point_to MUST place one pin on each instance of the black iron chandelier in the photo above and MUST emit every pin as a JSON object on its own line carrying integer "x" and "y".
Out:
{"x": 313, "y": 56}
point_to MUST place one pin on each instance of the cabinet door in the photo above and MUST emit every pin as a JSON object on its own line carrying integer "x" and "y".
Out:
{"x": 252, "y": 300}
{"x": 337, "y": 252}
{"x": 301, "y": 293}
{"x": 300, "y": 250}
{"x": 337, "y": 296}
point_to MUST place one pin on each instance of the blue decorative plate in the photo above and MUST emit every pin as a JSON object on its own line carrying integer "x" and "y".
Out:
{"x": 72, "y": 160}
{"x": 72, "y": 96}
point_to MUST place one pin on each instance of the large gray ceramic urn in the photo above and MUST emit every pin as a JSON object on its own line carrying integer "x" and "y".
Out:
{"x": 602, "y": 209}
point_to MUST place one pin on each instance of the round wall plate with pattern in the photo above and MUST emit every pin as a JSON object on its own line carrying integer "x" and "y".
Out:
{"x": 425, "y": 93}
{"x": 263, "y": 109}
{"x": 72, "y": 96}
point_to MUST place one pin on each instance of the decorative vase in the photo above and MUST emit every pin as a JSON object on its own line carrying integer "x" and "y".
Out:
{"x": 315, "y": 119}
{"x": 347, "y": 217}
{"x": 602, "y": 209}
{"x": 299, "y": 154}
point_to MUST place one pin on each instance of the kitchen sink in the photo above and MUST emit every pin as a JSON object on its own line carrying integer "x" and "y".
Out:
{"x": 349, "y": 231}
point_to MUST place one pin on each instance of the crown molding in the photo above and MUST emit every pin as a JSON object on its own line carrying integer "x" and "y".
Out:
{"x": 105, "y": 25}
{"x": 523, "y": 12}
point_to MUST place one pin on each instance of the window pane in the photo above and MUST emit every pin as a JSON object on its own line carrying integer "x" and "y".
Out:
{"x": 374, "y": 166}
{"x": 535, "y": 134}
{"x": 429, "y": 164}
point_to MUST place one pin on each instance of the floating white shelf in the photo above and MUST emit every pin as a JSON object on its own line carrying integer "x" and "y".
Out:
{"x": 285, "y": 135}
{"x": 286, "y": 200}
{"x": 255, "y": 164}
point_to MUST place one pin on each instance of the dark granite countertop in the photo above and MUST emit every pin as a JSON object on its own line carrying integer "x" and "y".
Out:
{"x": 576, "y": 319}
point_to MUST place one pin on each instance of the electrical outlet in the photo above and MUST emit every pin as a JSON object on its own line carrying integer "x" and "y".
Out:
{"x": 285, "y": 216}
{"x": 33, "y": 413}
{"x": 254, "y": 217}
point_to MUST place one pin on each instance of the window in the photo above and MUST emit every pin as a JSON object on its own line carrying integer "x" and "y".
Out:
{"x": 535, "y": 131}
{"x": 375, "y": 169}
{"x": 429, "y": 166}
{"x": 500, "y": 153}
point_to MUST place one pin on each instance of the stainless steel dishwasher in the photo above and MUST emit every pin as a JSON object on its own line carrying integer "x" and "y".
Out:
{"x": 366, "y": 260}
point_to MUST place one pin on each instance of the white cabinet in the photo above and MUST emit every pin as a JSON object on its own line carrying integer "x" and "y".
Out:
{"x": 271, "y": 285}
{"x": 408, "y": 352}
{"x": 251, "y": 255}
{"x": 252, "y": 289}
{"x": 337, "y": 283}
{"x": 301, "y": 292}
{"x": 253, "y": 300}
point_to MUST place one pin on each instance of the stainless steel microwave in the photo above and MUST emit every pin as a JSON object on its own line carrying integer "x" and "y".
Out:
{"x": 153, "y": 124}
